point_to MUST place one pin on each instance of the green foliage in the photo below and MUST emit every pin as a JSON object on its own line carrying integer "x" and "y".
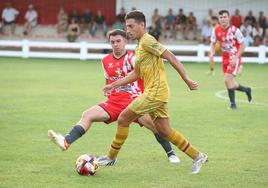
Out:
{"x": 41, "y": 94}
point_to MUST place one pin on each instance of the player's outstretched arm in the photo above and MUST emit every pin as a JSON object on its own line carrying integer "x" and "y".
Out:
{"x": 131, "y": 77}
{"x": 178, "y": 66}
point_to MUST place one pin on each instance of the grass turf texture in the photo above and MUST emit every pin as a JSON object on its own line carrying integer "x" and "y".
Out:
{"x": 41, "y": 94}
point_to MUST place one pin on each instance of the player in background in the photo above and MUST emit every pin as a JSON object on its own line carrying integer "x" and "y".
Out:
{"x": 115, "y": 65}
{"x": 232, "y": 47}
{"x": 149, "y": 67}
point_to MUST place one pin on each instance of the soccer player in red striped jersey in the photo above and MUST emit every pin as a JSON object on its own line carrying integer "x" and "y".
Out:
{"x": 116, "y": 65}
{"x": 232, "y": 47}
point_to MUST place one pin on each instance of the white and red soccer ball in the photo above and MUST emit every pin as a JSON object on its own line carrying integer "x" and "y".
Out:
{"x": 86, "y": 165}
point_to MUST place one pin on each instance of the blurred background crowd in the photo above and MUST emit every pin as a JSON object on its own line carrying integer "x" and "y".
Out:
{"x": 175, "y": 25}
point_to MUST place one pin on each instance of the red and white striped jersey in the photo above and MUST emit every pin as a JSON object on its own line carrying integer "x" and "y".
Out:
{"x": 229, "y": 38}
{"x": 115, "y": 69}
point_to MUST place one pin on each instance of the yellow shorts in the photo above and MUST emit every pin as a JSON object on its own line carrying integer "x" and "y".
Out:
{"x": 143, "y": 105}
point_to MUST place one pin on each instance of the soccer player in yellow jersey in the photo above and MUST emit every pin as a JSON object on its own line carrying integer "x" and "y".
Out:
{"x": 150, "y": 68}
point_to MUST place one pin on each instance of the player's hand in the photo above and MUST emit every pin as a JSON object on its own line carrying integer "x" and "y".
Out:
{"x": 107, "y": 90}
{"x": 193, "y": 85}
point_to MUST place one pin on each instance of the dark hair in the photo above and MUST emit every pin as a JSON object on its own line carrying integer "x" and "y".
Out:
{"x": 138, "y": 16}
{"x": 115, "y": 32}
{"x": 224, "y": 11}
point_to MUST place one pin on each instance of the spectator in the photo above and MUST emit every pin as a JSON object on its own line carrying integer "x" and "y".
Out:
{"x": 118, "y": 25}
{"x": 121, "y": 16}
{"x": 214, "y": 21}
{"x": 206, "y": 32}
{"x": 248, "y": 39}
{"x": 192, "y": 24}
{"x": 236, "y": 19}
{"x": 257, "y": 40}
{"x": 157, "y": 23}
{"x": 250, "y": 18}
{"x": 9, "y": 16}
{"x": 99, "y": 23}
{"x": 31, "y": 19}
{"x": 76, "y": 16}
{"x": 87, "y": 20}
{"x": 62, "y": 21}
{"x": 257, "y": 30}
{"x": 209, "y": 16}
{"x": 181, "y": 24}
{"x": 152, "y": 30}
{"x": 247, "y": 27}
{"x": 169, "y": 23}
{"x": 262, "y": 20}
{"x": 73, "y": 30}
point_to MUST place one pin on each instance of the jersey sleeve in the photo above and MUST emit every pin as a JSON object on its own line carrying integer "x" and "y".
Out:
{"x": 151, "y": 45}
{"x": 213, "y": 36}
{"x": 239, "y": 36}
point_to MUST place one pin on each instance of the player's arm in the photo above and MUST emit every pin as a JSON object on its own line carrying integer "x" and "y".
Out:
{"x": 131, "y": 77}
{"x": 178, "y": 66}
{"x": 211, "y": 56}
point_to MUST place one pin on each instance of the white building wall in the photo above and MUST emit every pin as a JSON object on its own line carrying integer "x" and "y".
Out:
{"x": 199, "y": 7}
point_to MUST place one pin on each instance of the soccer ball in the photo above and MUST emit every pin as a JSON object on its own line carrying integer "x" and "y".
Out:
{"x": 86, "y": 165}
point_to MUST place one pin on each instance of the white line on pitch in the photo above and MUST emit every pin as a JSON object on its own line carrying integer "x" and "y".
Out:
{"x": 219, "y": 95}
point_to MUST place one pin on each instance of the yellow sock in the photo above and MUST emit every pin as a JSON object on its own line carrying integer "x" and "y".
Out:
{"x": 178, "y": 140}
{"x": 118, "y": 141}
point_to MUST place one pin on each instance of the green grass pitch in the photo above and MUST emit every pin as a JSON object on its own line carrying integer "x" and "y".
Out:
{"x": 41, "y": 94}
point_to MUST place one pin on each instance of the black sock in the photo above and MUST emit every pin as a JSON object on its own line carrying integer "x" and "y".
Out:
{"x": 165, "y": 144}
{"x": 76, "y": 132}
{"x": 242, "y": 88}
{"x": 231, "y": 94}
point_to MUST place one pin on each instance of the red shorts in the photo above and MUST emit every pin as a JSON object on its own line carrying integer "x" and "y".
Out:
{"x": 227, "y": 68}
{"x": 115, "y": 107}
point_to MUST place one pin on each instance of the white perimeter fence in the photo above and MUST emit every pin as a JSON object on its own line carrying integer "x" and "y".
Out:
{"x": 84, "y": 51}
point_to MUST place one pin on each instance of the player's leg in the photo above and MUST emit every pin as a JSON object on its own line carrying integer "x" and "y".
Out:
{"x": 245, "y": 89}
{"x": 123, "y": 122}
{"x": 93, "y": 114}
{"x": 231, "y": 85}
{"x": 147, "y": 122}
{"x": 163, "y": 128}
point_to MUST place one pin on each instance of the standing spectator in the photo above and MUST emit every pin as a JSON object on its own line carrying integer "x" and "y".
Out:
{"x": 250, "y": 18}
{"x": 209, "y": 16}
{"x": 236, "y": 19}
{"x": 62, "y": 21}
{"x": 169, "y": 23}
{"x": 121, "y": 16}
{"x": 99, "y": 23}
{"x": 87, "y": 20}
{"x": 192, "y": 24}
{"x": 9, "y": 16}
{"x": 181, "y": 24}
{"x": 31, "y": 19}
{"x": 262, "y": 20}
{"x": 206, "y": 32}
{"x": 156, "y": 24}
{"x": 73, "y": 30}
